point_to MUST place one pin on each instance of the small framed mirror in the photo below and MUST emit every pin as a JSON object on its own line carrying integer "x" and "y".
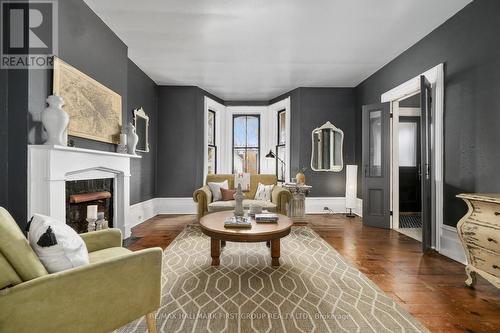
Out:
{"x": 141, "y": 123}
{"x": 327, "y": 143}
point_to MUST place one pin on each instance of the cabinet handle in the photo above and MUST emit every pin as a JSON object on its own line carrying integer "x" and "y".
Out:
{"x": 495, "y": 266}
{"x": 497, "y": 213}
{"x": 491, "y": 240}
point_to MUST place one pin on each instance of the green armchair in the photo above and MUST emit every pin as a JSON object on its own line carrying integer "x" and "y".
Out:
{"x": 117, "y": 287}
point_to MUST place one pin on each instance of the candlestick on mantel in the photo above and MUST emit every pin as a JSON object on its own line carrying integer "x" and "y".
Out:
{"x": 92, "y": 212}
{"x": 122, "y": 147}
{"x": 123, "y": 139}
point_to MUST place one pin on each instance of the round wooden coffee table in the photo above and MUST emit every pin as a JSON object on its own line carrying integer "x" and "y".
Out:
{"x": 212, "y": 225}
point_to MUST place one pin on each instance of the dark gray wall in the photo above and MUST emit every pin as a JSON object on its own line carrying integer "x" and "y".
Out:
{"x": 180, "y": 138}
{"x": 86, "y": 43}
{"x": 143, "y": 92}
{"x": 13, "y": 138}
{"x": 180, "y": 141}
{"x": 4, "y": 140}
{"x": 469, "y": 46}
{"x": 311, "y": 108}
{"x": 89, "y": 45}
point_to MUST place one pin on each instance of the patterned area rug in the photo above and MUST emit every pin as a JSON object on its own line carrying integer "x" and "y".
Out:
{"x": 314, "y": 290}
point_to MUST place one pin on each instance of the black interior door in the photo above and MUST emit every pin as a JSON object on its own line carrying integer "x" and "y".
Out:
{"x": 425, "y": 137}
{"x": 376, "y": 165}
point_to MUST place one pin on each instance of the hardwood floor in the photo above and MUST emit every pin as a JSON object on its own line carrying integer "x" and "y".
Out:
{"x": 431, "y": 287}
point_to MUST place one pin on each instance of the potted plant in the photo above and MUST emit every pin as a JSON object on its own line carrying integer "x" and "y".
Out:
{"x": 301, "y": 177}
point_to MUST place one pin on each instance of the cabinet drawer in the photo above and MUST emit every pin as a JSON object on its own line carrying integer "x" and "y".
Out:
{"x": 481, "y": 236}
{"x": 485, "y": 260}
{"x": 486, "y": 213}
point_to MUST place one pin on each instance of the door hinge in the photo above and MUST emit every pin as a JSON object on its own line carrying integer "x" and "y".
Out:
{"x": 391, "y": 116}
{"x": 390, "y": 213}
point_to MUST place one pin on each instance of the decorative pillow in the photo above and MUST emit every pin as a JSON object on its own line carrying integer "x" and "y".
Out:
{"x": 264, "y": 192}
{"x": 57, "y": 245}
{"x": 227, "y": 195}
{"x": 215, "y": 189}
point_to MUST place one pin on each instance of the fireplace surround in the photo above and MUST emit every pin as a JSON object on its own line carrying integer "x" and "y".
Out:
{"x": 51, "y": 166}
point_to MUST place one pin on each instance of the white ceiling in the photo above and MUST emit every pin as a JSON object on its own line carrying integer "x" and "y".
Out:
{"x": 258, "y": 49}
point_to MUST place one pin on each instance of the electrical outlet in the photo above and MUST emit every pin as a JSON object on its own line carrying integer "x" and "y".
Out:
{"x": 327, "y": 209}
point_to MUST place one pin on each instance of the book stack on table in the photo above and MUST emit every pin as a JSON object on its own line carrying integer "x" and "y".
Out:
{"x": 238, "y": 222}
{"x": 266, "y": 218}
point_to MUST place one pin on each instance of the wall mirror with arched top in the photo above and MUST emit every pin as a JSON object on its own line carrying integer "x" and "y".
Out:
{"x": 327, "y": 143}
{"x": 141, "y": 123}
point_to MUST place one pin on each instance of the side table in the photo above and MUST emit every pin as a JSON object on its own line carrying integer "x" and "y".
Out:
{"x": 296, "y": 209}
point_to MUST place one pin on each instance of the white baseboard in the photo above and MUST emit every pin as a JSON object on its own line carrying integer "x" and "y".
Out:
{"x": 175, "y": 206}
{"x": 316, "y": 205}
{"x": 142, "y": 211}
{"x": 451, "y": 246}
{"x": 145, "y": 210}
{"x": 359, "y": 209}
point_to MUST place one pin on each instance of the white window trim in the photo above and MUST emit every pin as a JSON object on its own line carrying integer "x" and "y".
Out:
{"x": 273, "y": 110}
{"x": 220, "y": 113}
{"x": 264, "y": 134}
{"x": 224, "y": 134}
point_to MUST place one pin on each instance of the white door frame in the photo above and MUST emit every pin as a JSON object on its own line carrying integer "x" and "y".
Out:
{"x": 394, "y": 129}
{"x": 435, "y": 76}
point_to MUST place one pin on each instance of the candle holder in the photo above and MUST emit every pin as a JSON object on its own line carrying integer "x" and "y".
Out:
{"x": 122, "y": 146}
{"x": 91, "y": 224}
{"x": 98, "y": 225}
{"x": 122, "y": 149}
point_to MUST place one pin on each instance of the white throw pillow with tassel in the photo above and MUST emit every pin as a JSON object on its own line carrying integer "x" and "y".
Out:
{"x": 57, "y": 245}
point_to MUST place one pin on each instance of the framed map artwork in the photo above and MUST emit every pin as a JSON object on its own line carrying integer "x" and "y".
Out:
{"x": 94, "y": 110}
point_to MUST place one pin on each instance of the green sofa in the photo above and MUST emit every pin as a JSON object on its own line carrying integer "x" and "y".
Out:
{"x": 279, "y": 199}
{"x": 117, "y": 287}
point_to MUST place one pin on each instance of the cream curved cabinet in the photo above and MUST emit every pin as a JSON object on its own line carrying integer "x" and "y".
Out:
{"x": 479, "y": 231}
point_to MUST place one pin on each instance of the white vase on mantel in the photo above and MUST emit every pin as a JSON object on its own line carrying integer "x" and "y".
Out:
{"x": 132, "y": 139}
{"x": 55, "y": 120}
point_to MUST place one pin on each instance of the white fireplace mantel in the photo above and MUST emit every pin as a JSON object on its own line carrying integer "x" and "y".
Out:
{"x": 49, "y": 167}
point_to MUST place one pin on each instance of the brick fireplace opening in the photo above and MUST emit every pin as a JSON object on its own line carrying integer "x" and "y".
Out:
{"x": 83, "y": 193}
